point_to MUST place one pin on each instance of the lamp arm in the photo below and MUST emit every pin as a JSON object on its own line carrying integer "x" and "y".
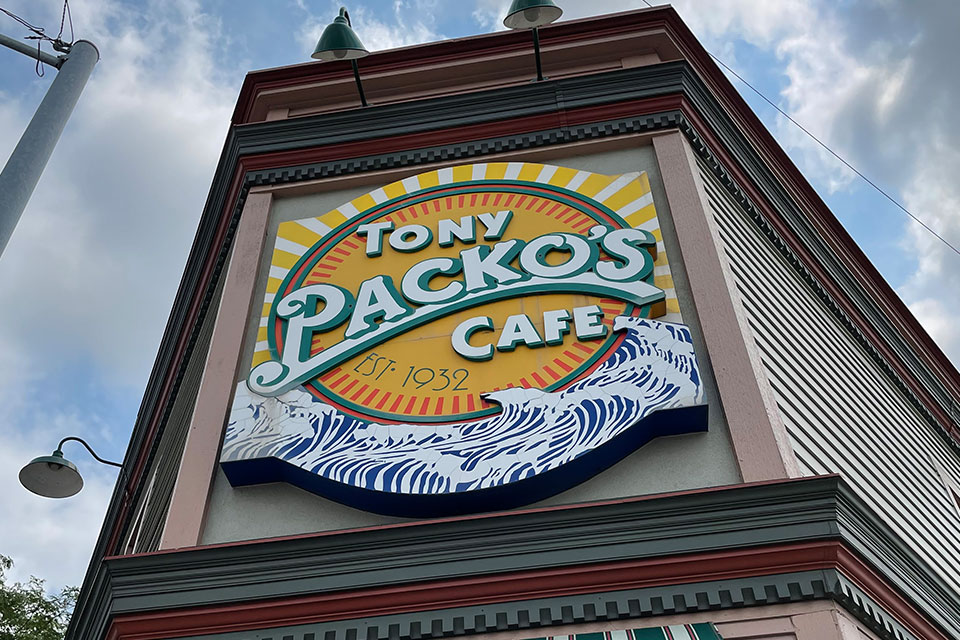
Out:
{"x": 536, "y": 53}
{"x": 356, "y": 77}
{"x": 92, "y": 452}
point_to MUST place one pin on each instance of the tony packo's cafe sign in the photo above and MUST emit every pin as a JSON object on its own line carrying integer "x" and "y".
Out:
{"x": 472, "y": 338}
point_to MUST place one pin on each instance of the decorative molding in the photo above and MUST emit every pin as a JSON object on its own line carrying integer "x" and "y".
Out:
{"x": 677, "y": 542}
{"x": 635, "y": 604}
{"x": 576, "y": 96}
{"x": 865, "y": 609}
{"x": 650, "y": 24}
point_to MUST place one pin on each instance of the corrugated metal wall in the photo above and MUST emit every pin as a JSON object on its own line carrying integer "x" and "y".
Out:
{"x": 842, "y": 412}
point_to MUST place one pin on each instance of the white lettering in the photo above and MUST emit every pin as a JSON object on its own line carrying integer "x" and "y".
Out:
{"x": 626, "y": 244}
{"x": 461, "y": 338}
{"x": 483, "y": 266}
{"x": 401, "y": 239}
{"x": 518, "y": 329}
{"x": 495, "y": 224}
{"x": 377, "y": 299}
{"x": 588, "y": 322}
{"x": 374, "y": 232}
{"x": 556, "y": 324}
{"x": 465, "y": 231}
{"x": 300, "y": 309}
{"x": 415, "y": 283}
{"x": 534, "y": 254}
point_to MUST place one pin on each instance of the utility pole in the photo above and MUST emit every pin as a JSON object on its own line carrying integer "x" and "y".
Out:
{"x": 22, "y": 172}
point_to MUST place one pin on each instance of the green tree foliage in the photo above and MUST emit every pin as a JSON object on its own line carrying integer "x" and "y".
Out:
{"x": 27, "y": 612}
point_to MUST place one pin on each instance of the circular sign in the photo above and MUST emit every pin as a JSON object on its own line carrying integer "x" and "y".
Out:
{"x": 469, "y": 338}
{"x": 417, "y": 376}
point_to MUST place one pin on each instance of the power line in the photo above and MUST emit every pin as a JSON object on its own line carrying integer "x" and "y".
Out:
{"x": 837, "y": 156}
{"x": 40, "y": 35}
{"x": 832, "y": 152}
{"x": 66, "y": 14}
{"x": 35, "y": 29}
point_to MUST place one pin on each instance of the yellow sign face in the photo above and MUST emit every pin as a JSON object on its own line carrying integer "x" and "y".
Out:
{"x": 430, "y": 292}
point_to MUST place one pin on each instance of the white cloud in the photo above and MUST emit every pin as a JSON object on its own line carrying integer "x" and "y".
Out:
{"x": 874, "y": 80}
{"x": 88, "y": 278}
{"x": 414, "y": 22}
{"x": 939, "y": 321}
{"x": 99, "y": 251}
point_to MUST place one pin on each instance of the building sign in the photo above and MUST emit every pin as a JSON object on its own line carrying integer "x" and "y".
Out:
{"x": 472, "y": 338}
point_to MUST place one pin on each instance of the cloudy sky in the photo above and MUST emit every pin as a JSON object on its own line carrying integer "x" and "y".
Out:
{"x": 87, "y": 281}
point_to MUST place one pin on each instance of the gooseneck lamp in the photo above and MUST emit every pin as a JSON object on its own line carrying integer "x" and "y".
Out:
{"x": 339, "y": 42}
{"x": 54, "y": 476}
{"x": 532, "y": 14}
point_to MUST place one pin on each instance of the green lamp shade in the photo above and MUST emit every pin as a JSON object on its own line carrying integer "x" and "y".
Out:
{"x": 339, "y": 42}
{"x": 529, "y": 14}
{"x": 51, "y": 476}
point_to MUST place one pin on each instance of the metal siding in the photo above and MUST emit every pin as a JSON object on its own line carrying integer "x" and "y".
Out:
{"x": 842, "y": 413}
{"x": 153, "y": 503}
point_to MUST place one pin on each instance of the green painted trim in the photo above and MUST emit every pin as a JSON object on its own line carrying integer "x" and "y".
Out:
{"x": 794, "y": 511}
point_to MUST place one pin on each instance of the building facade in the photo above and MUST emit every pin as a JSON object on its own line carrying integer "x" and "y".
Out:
{"x": 529, "y": 359}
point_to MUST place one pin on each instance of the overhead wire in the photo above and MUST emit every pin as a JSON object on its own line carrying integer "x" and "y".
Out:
{"x": 37, "y": 30}
{"x": 832, "y": 152}
{"x": 66, "y": 14}
{"x": 40, "y": 35}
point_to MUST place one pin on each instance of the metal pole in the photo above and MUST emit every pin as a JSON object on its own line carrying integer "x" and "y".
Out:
{"x": 356, "y": 76}
{"x": 22, "y": 171}
{"x": 536, "y": 53}
{"x": 89, "y": 449}
{"x": 33, "y": 52}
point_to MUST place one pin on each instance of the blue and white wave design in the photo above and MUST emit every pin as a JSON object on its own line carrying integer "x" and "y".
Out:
{"x": 653, "y": 369}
